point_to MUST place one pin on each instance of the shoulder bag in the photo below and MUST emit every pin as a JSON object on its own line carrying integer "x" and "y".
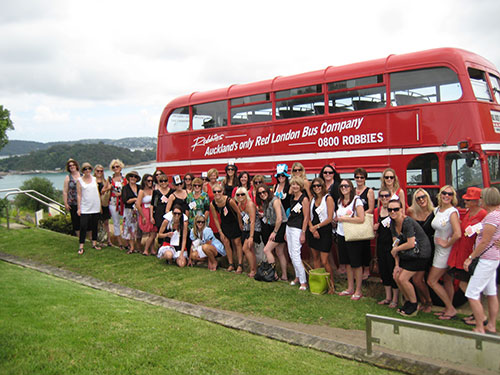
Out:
{"x": 359, "y": 232}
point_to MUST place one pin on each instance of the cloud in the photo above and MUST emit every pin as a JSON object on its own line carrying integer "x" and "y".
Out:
{"x": 46, "y": 114}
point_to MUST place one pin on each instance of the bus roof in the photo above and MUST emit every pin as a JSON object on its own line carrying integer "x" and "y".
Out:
{"x": 452, "y": 57}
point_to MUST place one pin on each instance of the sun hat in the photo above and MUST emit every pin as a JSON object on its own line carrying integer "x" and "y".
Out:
{"x": 473, "y": 193}
{"x": 281, "y": 169}
{"x": 133, "y": 173}
{"x": 86, "y": 165}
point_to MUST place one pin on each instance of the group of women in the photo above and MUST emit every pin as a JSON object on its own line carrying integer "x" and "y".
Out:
{"x": 201, "y": 219}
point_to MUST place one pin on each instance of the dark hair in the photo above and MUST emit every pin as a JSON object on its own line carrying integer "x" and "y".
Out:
{"x": 351, "y": 193}
{"x": 249, "y": 184}
{"x": 320, "y": 181}
{"x": 396, "y": 201}
{"x": 184, "y": 179}
{"x": 360, "y": 171}
{"x": 336, "y": 175}
{"x": 259, "y": 200}
{"x": 144, "y": 180}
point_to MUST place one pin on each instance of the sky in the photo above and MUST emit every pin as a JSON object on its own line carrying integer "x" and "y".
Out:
{"x": 106, "y": 69}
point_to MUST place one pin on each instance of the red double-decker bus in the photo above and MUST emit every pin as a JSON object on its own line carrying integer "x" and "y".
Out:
{"x": 433, "y": 116}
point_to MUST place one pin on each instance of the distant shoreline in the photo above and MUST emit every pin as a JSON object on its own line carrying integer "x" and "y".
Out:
{"x": 37, "y": 171}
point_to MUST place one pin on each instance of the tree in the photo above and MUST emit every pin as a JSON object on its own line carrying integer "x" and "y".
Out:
{"x": 5, "y": 124}
{"x": 40, "y": 184}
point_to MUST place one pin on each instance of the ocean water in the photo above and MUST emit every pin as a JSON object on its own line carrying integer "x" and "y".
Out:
{"x": 16, "y": 180}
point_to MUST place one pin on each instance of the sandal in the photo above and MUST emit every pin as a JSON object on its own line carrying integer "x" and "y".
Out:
{"x": 131, "y": 251}
{"x": 231, "y": 267}
{"x": 97, "y": 247}
{"x": 356, "y": 297}
{"x": 393, "y": 305}
{"x": 239, "y": 270}
{"x": 109, "y": 244}
{"x": 384, "y": 302}
{"x": 81, "y": 251}
{"x": 346, "y": 293}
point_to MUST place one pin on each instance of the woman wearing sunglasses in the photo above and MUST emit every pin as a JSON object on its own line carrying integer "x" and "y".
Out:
{"x": 298, "y": 170}
{"x": 130, "y": 222}
{"x": 251, "y": 227}
{"x": 188, "y": 182}
{"x": 386, "y": 263}
{"x": 178, "y": 196}
{"x": 406, "y": 235}
{"x": 116, "y": 205}
{"x": 230, "y": 181}
{"x": 229, "y": 226}
{"x": 422, "y": 211}
{"x": 89, "y": 206}
{"x": 70, "y": 194}
{"x": 446, "y": 224}
{"x": 319, "y": 235}
{"x": 389, "y": 180}
{"x": 143, "y": 206}
{"x": 282, "y": 187}
{"x": 159, "y": 200}
{"x": 204, "y": 243}
{"x": 350, "y": 253}
{"x": 104, "y": 191}
{"x": 198, "y": 202}
{"x": 173, "y": 232}
{"x": 273, "y": 227}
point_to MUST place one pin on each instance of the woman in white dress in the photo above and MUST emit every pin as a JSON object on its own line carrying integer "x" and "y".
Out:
{"x": 89, "y": 206}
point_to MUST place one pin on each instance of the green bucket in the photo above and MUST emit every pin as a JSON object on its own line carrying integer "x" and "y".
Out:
{"x": 318, "y": 281}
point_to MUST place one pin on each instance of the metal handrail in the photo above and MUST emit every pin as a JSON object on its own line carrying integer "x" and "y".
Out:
{"x": 15, "y": 191}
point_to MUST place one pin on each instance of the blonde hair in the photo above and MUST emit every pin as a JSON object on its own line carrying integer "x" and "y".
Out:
{"x": 243, "y": 190}
{"x": 490, "y": 197}
{"x": 415, "y": 207}
{"x": 299, "y": 164}
{"x": 454, "y": 201}
{"x": 297, "y": 181}
{"x": 211, "y": 171}
{"x": 116, "y": 162}
{"x": 396, "y": 180}
{"x": 99, "y": 166}
{"x": 196, "y": 232}
{"x": 198, "y": 181}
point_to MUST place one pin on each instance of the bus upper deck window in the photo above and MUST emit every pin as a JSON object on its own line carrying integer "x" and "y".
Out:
{"x": 479, "y": 85}
{"x": 421, "y": 86}
{"x": 178, "y": 121}
{"x": 495, "y": 82}
{"x": 210, "y": 115}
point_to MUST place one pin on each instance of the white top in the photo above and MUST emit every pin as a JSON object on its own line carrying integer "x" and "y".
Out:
{"x": 91, "y": 202}
{"x": 348, "y": 210}
{"x": 442, "y": 224}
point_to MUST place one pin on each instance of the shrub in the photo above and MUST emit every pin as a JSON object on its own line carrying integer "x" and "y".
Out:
{"x": 58, "y": 223}
{"x": 40, "y": 184}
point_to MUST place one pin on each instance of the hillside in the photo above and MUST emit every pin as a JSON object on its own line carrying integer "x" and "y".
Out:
{"x": 55, "y": 157}
{"x": 15, "y": 147}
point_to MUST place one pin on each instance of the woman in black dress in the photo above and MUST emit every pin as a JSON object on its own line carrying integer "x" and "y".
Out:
{"x": 319, "y": 235}
{"x": 229, "y": 227}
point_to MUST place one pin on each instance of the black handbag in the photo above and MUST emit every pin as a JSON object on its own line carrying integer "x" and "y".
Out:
{"x": 265, "y": 272}
{"x": 475, "y": 261}
{"x": 413, "y": 253}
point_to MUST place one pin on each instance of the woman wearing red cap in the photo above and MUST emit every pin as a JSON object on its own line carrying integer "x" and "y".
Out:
{"x": 464, "y": 246}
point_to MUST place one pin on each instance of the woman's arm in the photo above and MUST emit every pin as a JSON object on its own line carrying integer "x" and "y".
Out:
{"x": 170, "y": 202}
{"x": 185, "y": 231}
{"x": 79, "y": 197}
{"x": 371, "y": 201}
{"x": 251, "y": 213}
{"x": 215, "y": 216}
{"x": 237, "y": 210}
{"x": 279, "y": 219}
{"x": 402, "y": 198}
{"x": 359, "y": 218}
{"x": 138, "y": 204}
{"x": 65, "y": 192}
{"x": 307, "y": 214}
{"x": 488, "y": 232}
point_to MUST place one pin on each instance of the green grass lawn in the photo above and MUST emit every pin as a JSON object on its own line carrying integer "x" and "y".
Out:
{"x": 197, "y": 285}
{"x": 53, "y": 326}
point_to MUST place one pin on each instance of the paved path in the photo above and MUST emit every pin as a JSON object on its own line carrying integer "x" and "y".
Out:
{"x": 349, "y": 344}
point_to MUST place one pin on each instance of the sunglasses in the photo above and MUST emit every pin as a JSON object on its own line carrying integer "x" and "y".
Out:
{"x": 327, "y": 172}
{"x": 359, "y": 177}
{"x": 281, "y": 175}
{"x": 297, "y": 170}
{"x": 86, "y": 169}
{"x": 115, "y": 167}
{"x": 447, "y": 193}
{"x": 177, "y": 213}
{"x": 161, "y": 181}
{"x": 384, "y": 195}
{"x": 99, "y": 171}
{"x": 240, "y": 194}
{"x": 71, "y": 165}
{"x": 389, "y": 177}
{"x": 262, "y": 192}
{"x": 187, "y": 179}
{"x": 258, "y": 182}
{"x": 149, "y": 180}
{"x": 196, "y": 185}
{"x": 217, "y": 191}
{"x": 200, "y": 222}
{"x": 134, "y": 176}
{"x": 230, "y": 169}
{"x": 421, "y": 198}
{"x": 344, "y": 186}
{"x": 393, "y": 209}
{"x": 316, "y": 185}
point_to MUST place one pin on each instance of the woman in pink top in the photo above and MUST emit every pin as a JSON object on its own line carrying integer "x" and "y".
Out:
{"x": 484, "y": 278}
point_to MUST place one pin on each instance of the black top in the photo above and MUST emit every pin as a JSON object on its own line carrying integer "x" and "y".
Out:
{"x": 159, "y": 203}
{"x": 181, "y": 203}
{"x": 384, "y": 237}
{"x": 428, "y": 229}
{"x": 364, "y": 198}
{"x": 128, "y": 193}
{"x": 412, "y": 229}
{"x": 296, "y": 218}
